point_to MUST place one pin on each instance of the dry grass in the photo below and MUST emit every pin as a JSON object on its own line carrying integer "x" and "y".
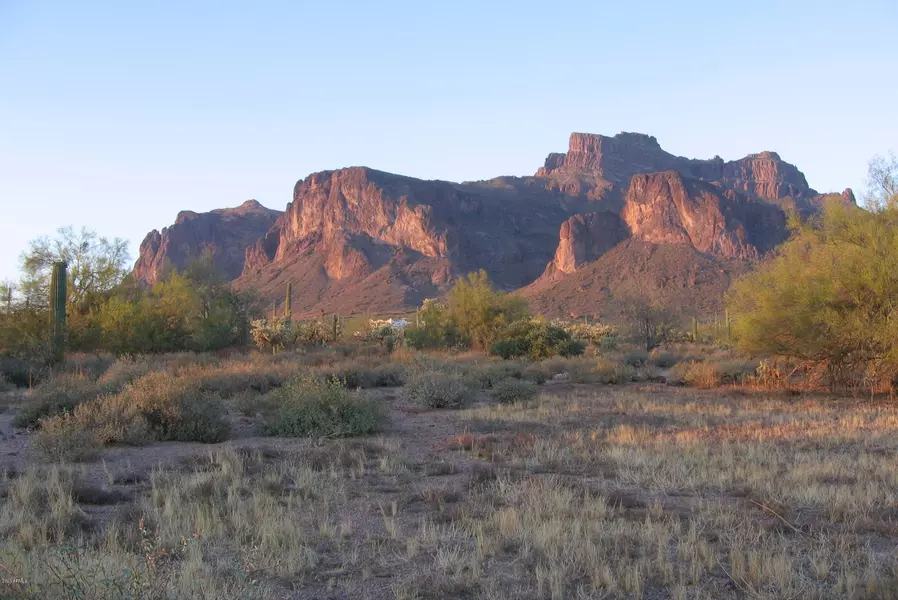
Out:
{"x": 582, "y": 491}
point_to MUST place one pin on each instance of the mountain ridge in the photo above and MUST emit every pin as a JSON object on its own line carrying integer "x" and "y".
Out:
{"x": 357, "y": 239}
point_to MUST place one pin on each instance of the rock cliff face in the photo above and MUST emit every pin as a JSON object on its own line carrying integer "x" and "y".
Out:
{"x": 348, "y": 227}
{"x": 584, "y": 238}
{"x": 666, "y": 208}
{"x": 357, "y": 239}
{"x": 225, "y": 232}
{"x": 602, "y": 167}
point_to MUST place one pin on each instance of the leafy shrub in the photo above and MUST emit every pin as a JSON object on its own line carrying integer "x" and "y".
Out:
{"x": 537, "y": 340}
{"x": 21, "y": 372}
{"x": 636, "y": 358}
{"x": 510, "y": 348}
{"x": 156, "y": 406}
{"x": 514, "y": 390}
{"x": 665, "y": 360}
{"x": 438, "y": 390}
{"x": 710, "y": 374}
{"x": 828, "y": 296}
{"x": 61, "y": 392}
{"x": 62, "y": 438}
{"x": 309, "y": 406}
{"x": 697, "y": 374}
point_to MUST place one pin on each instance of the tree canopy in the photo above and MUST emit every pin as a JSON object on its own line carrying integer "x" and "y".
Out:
{"x": 96, "y": 264}
{"x": 830, "y": 296}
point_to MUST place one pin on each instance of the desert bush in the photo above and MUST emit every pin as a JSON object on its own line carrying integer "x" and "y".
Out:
{"x": 63, "y": 438}
{"x": 828, "y": 297}
{"x": 235, "y": 376}
{"x": 535, "y": 339}
{"x": 514, "y": 390}
{"x": 485, "y": 375}
{"x": 438, "y": 390}
{"x": 594, "y": 333}
{"x": 535, "y": 373}
{"x": 710, "y": 374}
{"x": 636, "y": 358}
{"x": 359, "y": 375}
{"x": 387, "y": 375}
{"x": 156, "y": 406}
{"x": 665, "y": 360}
{"x": 607, "y": 371}
{"x": 23, "y": 372}
{"x": 697, "y": 374}
{"x": 127, "y": 370}
{"x": 91, "y": 365}
{"x": 61, "y": 392}
{"x": 474, "y": 316}
{"x": 309, "y": 406}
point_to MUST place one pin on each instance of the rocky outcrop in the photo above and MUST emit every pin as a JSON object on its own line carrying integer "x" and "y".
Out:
{"x": 356, "y": 224}
{"x": 602, "y": 168}
{"x": 666, "y": 208}
{"x": 224, "y": 232}
{"x": 585, "y": 238}
{"x": 357, "y": 239}
{"x": 671, "y": 209}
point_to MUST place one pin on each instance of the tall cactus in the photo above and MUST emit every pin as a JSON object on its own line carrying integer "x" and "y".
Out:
{"x": 694, "y": 330}
{"x": 729, "y": 323}
{"x": 274, "y": 309}
{"x": 336, "y": 327}
{"x": 57, "y": 311}
{"x": 288, "y": 301}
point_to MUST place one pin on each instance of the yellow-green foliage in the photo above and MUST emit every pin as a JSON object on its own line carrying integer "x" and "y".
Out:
{"x": 308, "y": 405}
{"x": 830, "y": 295}
{"x": 481, "y": 312}
{"x": 474, "y": 316}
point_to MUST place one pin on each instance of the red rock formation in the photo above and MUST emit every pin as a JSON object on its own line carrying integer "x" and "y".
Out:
{"x": 584, "y": 238}
{"x": 666, "y": 208}
{"x": 356, "y": 225}
{"x": 357, "y": 238}
{"x": 226, "y": 232}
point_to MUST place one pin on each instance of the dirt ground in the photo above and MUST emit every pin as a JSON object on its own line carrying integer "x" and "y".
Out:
{"x": 588, "y": 491}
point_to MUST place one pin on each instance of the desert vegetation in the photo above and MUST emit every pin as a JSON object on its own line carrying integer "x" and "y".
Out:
{"x": 193, "y": 444}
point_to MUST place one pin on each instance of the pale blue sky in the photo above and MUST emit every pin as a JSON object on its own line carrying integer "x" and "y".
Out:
{"x": 116, "y": 115}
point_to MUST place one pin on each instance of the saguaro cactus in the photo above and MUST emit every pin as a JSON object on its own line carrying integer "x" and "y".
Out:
{"x": 728, "y": 323}
{"x": 694, "y": 330}
{"x": 335, "y": 327}
{"x": 57, "y": 310}
{"x": 288, "y": 301}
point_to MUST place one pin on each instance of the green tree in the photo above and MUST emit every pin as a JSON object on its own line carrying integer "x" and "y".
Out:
{"x": 96, "y": 265}
{"x": 830, "y": 296}
{"x": 480, "y": 312}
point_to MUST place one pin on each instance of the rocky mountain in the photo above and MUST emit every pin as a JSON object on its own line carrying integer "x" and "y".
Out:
{"x": 225, "y": 232}
{"x": 612, "y": 212}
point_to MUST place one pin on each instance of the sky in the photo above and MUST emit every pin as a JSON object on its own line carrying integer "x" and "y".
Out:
{"x": 117, "y": 115}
